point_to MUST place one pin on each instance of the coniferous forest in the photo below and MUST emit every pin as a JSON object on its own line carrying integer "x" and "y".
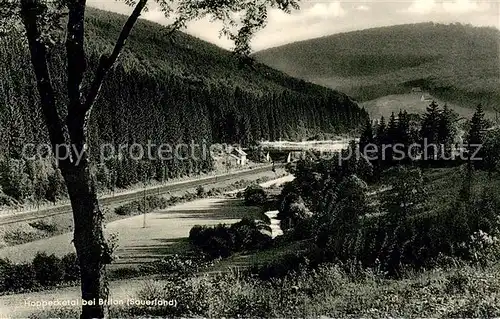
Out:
{"x": 165, "y": 89}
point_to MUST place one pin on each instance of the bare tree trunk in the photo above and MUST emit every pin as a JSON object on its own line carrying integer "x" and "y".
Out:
{"x": 91, "y": 247}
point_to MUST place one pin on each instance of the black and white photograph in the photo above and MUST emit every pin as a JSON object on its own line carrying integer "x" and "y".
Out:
{"x": 249, "y": 159}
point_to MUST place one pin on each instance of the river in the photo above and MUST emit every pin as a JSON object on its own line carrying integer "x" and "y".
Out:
{"x": 275, "y": 223}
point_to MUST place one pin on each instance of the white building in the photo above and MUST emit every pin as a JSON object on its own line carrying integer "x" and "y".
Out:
{"x": 425, "y": 98}
{"x": 240, "y": 156}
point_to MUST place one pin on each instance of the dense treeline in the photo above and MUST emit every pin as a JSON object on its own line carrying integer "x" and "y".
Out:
{"x": 439, "y": 136}
{"x": 179, "y": 90}
{"x": 405, "y": 224}
{"x": 392, "y": 214}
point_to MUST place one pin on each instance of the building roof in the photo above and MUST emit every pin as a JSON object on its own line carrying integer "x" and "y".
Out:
{"x": 240, "y": 152}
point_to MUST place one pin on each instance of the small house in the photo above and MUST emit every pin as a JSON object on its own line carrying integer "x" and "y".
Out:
{"x": 240, "y": 156}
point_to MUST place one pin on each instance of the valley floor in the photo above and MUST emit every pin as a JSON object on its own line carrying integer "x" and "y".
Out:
{"x": 165, "y": 233}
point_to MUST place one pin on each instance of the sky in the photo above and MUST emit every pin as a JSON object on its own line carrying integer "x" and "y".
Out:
{"x": 318, "y": 18}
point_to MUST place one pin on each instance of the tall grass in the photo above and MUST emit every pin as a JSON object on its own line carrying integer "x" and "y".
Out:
{"x": 327, "y": 291}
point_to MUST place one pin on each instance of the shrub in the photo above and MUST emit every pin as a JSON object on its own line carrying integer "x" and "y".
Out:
{"x": 182, "y": 265}
{"x": 71, "y": 267}
{"x": 44, "y": 270}
{"x": 140, "y": 206}
{"x": 156, "y": 202}
{"x": 44, "y": 226}
{"x": 48, "y": 269}
{"x": 281, "y": 267}
{"x": 214, "y": 192}
{"x": 219, "y": 242}
{"x": 215, "y": 241}
{"x": 127, "y": 272}
{"x": 6, "y": 200}
{"x": 125, "y": 210}
{"x": 222, "y": 240}
{"x": 19, "y": 277}
{"x": 196, "y": 234}
{"x": 248, "y": 235}
{"x": 63, "y": 312}
{"x": 23, "y": 233}
{"x": 483, "y": 249}
{"x": 255, "y": 195}
{"x": 200, "y": 191}
{"x": 292, "y": 211}
{"x": 174, "y": 200}
{"x": 303, "y": 229}
{"x": 5, "y": 266}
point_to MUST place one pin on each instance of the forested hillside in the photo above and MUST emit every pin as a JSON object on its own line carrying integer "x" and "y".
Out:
{"x": 164, "y": 89}
{"x": 456, "y": 63}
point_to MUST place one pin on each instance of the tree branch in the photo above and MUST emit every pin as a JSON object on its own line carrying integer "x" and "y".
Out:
{"x": 106, "y": 62}
{"x": 74, "y": 50}
{"x": 30, "y": 10}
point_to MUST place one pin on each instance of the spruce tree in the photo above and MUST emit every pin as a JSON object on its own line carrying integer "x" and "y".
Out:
{"x": 429, "y": 131}
{"x": 367, "y": 137}
{"x": 446, "y": 130}
{"x": 403, "y": 132}
{"x": 407, "y": 196}
{"x": 477, "y": 127}
{"x": 381, "y": 140}
{"x": 476, "y": 138}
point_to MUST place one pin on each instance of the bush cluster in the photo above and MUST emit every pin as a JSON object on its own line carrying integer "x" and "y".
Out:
{"x": 159, "y": 202}
{"x": 44, "y": 271}
{"x": 255, "y": 195}
{"x": 395, "y": 228}
{"x": 44, "y": 226}
{"x": 142, "y": 205}
{"x": 223, "y": 241}
{"x": 178, "y": 265}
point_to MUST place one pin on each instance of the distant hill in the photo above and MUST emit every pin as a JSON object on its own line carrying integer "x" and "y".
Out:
{"x": 455, "y": 63}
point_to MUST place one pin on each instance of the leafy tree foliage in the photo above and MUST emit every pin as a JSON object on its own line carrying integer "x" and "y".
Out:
{"x": 407, "y": 195}
{"x": 476, "y": 137}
